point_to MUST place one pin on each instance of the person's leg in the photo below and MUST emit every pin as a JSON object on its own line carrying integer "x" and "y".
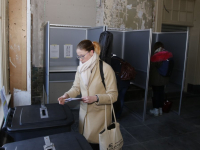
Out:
{"x": 121, "y": 97}
{"x": 155, "y": 98}
{"x": 161, "y": 98}
{"x": 155, "y": 101}
{"x": 118, "y": 106}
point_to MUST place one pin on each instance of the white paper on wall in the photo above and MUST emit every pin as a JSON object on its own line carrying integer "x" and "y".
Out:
{"x": 54, "y": 51}
{"x": 68, "y": 51}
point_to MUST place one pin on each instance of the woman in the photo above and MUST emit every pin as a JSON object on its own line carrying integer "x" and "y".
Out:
{"x": 156, "y": 80}
{"x": 95, "y": 96}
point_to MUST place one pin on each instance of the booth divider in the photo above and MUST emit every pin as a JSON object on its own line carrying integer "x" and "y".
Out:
{"x": 60, "y": 60}
{"x": 177, "y": 44}
{"x": 135, "y": 48}
{"x": 118, "y": 43}
{"x": 94, "y": 33}
{"x": 46, "y": 64}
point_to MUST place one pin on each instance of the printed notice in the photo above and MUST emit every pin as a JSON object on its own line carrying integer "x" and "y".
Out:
{"x": 4, "y": 102}
{"x": 68, "y": 51}
{"x": 54, "y": 51}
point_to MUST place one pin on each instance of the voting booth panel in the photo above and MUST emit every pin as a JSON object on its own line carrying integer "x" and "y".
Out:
{"x": 137, "y": 52}
{"x": 118, "y": 43}
{"x": 135, "y": 48}
{"x": 177, "y": 44}
{"x": 94, "y": 33}
{"x": 63, "y": 42}
{"x": 63, "y": 62}
{"x": 46, "y": 62}
{"x": 60, "y": 57}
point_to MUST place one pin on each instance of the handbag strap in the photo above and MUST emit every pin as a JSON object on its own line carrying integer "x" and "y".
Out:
{"x": 103, "y": 81}
{"x": 112, "y": 111}
{"x": 101, "y": 73}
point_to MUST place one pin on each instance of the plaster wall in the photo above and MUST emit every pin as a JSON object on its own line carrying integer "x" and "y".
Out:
{"x": 68, "y": 12}
{"x": 193, "y": 63}
{"x": 130, "y": 14}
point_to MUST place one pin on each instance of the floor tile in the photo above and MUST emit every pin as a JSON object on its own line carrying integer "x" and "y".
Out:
{"x": 129, "y": 120}
{"x": 128, "y": 138}
{"x": 183, "y": 126}
{"x": 154, "y": 145}
{"x": 167, "y": 117}
{"x": 133, "y": 147}
{"x": 142, "y": 133}
{"x": 195, "y": 136}
{"x": 164, "y": 130}
{"x": 150, "y": 119}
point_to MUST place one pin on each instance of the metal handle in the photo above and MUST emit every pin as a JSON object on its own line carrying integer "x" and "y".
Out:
{"x": 48, "y": 145}
{"x": 43, "y": 112}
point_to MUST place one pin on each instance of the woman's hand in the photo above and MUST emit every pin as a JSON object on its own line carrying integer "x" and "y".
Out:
{"x": 61, "y": 99}
{"x": 89, "y": 99}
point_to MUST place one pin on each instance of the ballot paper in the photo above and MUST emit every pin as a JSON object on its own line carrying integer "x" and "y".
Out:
{"x": 73, "y": 99}
{"x": 4, "y": 102}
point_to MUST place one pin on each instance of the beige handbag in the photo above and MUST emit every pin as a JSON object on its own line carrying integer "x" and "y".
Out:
{"x": 111, "y": 138}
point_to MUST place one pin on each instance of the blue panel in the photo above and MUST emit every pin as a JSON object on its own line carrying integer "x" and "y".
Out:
{"x": 46, "y": 60}
{"x": 117, "y": 43}
{"x": 137, "y": 54}
{"x": 154, "y": 40}
{"x": 175, "y": 43}
{"x": 94, "y": 33}
{"x": 62, "y": 36}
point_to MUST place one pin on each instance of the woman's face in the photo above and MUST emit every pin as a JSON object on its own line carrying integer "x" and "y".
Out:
{"x": 84, "y": 55}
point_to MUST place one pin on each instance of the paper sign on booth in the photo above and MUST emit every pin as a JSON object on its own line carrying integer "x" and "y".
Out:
{"x": 54, "y": 51}
{"x": 68, "y": 51}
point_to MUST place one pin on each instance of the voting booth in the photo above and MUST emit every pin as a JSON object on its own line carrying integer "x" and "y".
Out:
{"x": 60, "y": 61}
{"x": 177, "y": 44}
{"x": 135, "y": 47}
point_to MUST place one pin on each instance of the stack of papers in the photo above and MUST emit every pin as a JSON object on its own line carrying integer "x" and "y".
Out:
{"x": 73, "y": 99}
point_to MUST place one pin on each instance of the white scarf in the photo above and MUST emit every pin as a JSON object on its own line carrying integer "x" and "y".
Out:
{"x": 86, "y": 68}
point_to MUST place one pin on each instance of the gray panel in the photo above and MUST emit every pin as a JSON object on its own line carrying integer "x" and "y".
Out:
{"x": 57, "y": 89}
{"x": 175, "y": 43}
{"x": 62, "y": 36}
{"x": 137, "y": 54}
{"x": 140, "y": 79}
{"x": 62, "y": 76}
{"x": 46, "y": 60}
{"x": 154, "y": 40}
{"x": 94, "y": 33}
{"x": 117, "y": 43}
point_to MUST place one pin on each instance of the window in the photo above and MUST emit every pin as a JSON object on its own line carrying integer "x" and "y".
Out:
{"x": 4, "y": 72}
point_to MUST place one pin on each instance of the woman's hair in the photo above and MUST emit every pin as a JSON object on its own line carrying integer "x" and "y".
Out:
{"x": 88, "y": 46}
{"x": 158, "y": 45}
